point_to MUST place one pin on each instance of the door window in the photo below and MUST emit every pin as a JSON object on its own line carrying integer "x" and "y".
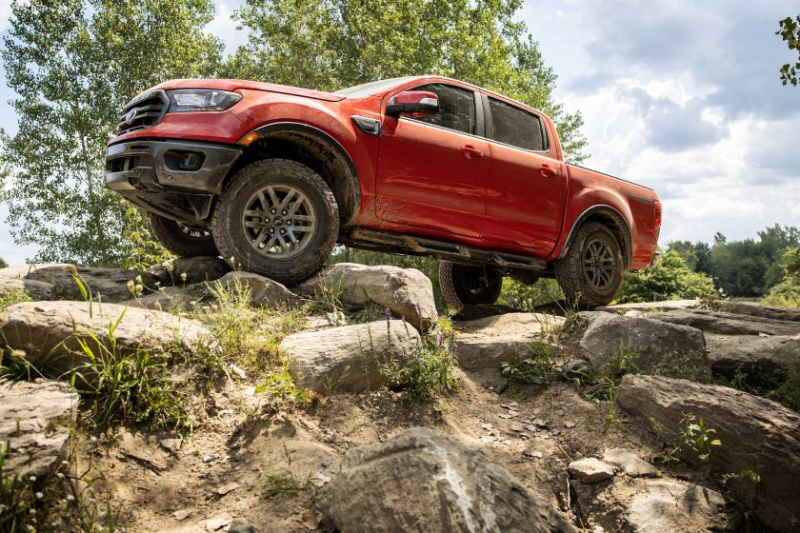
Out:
{"x": 456, "y": 107}
{"x": 511, "y": 125}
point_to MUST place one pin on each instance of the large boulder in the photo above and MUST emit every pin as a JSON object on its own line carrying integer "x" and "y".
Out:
{"x": 188, "y": 270}
{"x": 421, "y": 480}
{"x": 751, "y": 354}
{"x": 728, "y": 323}
{"x": 668, "y": 347}
{"x": 407, "y": 292}
{"x": 757, "y": 435}
{"x": 668, "y": 506}
{"x": 650, "y": 306}
{"x": 35, "y": 423}
{"x": 57, "y": 281}
{"x": 47, "y": 331}
{"x": 264, "y": 292}
{"x": 171, "y": 299}
{"x": 487, "y": 342}
{"x": 754, "y": 309}
{"x": 347, "y": 358}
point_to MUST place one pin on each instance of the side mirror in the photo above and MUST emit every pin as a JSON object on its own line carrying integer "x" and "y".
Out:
{"x": 415, "y": 103}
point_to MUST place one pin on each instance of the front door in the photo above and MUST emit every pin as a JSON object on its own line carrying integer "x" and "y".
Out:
{"x": 432, "y": 170}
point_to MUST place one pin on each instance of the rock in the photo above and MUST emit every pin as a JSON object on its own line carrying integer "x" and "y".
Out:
{"x": 241, "y": 525}
{"x": 728, "y": 323}
{"x": 35, "y": 423}
{"x": 757, "y": 435}
{"x": 407, "y": 292}
{"x": 182, "y": 514}
{"x": 485, "y": 343}
{"x": 754, "y": 354}
{"x": 169, "y": 299}
{"x": 650, "y": 306}
{"x": 421, "y": 480}
{"x": 105, "y": 284}
{"x": 38, "y": 290}
{"x": 188, "y": 270}
{"x": 46, "y": 331}
{"x": 590, "y": 470}
{"x": 171, "y": 444}
{"x": 754, "y": 309}
{"x": 218, "y": 522}
{"x": 225, "y": 489}
{"x": 347, "y": 358}
{"x": 475, "y": 312}
{"x": 263, "y": 291}
{"x": 667, "y": 506}
{"x": 660, "y": 345}
{"x": 629, "y": 463}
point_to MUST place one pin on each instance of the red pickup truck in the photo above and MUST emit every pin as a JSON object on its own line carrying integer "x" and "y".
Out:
{"x": 275, "y": 176}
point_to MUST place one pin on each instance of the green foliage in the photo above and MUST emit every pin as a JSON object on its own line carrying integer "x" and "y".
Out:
{"x": 285, "y": 483}
{"x": 787, "y": 292}
{"x": 527, "y": 297}
{"x": 280, "y": 387}
{"x": 788, "y": 392}
{"x": 16, "y": 496}
{"x": 334, "y": 44}
{"x": 73, "y": 65}
{"x": 143, "y": 248}
{"x": 670, "y": 279}
{"x": 540, "y": 368}
{"x": 696, "y": 441}
{"x": 790, "y": 32}
{"x": 130, "y": 387}
{"x": 429, "y": 368}
{"x": 603, "y": 386}
{"x": 3, "y": 264}
{"x": 12, "y": 298}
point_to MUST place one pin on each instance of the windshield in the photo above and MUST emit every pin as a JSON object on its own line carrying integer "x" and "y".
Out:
{"x": 372, "y": 87}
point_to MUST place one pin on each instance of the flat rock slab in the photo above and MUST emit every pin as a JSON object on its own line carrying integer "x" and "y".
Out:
{"x": 590, "y": 470}
{"x": 56, "y": 282}
{"x": 347, "y": 358}
{"x": 170, "y": 299}
{"x": 754, "y": 309}
{"x": 486, "y": 342}
{"x": 669, "y": 506}
{"x": 650, "y": 306}
{"x": 35, "y": 422}
{"x": 407, "y": 292}
{"x": 264, "y": 292}
{"x": 757, "y": 435}
{"x": 422, "y": 480}
{"x": 751, "y": 353}
{"x": 630, "y": 463}
{"x": 728, "y": 323}
{"x": 46, "y": 331}
{"x": 659, "y": 345}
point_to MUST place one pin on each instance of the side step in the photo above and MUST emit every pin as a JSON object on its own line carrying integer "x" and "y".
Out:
{"x": 390, "y": 242}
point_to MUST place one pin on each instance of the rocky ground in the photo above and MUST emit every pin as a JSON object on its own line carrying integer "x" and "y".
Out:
{"x": 337, "y": 411}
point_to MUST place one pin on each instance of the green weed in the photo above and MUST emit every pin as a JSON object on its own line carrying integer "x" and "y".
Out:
{"x": 12, "y": 298}
{"x": 285, "y": 483}
{"x": 280, "y": 387}
{"x": 16, "y": 499}
{"x": 539, "y": 369}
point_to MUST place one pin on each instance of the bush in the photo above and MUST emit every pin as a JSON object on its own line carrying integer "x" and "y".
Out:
{"x": 527, "y": 297}
{"x": 787, "y": 292}
{"x": 670, "y": 279}
{"x": 3, "y": 264}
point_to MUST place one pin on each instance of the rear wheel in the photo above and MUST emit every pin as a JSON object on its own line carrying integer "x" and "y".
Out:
{"x": 277, "y": 218}
{"x": 468, "y": 285}
{"x": 182, "y": 240}
{"x": 591, "y": 272}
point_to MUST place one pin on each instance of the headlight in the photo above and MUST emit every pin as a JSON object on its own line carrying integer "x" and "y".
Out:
{"x": 201, "y": 100}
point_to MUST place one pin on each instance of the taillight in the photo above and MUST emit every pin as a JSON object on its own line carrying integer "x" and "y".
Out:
{"x": 657, "y": 225}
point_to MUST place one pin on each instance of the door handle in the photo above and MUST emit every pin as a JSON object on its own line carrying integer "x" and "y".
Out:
{"x": 470, "y": 151}
{"x": 547, "y": 172}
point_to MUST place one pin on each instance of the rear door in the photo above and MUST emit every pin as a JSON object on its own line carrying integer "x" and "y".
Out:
{"x": 527, "y": 187}
{"x": 432, "y": 171}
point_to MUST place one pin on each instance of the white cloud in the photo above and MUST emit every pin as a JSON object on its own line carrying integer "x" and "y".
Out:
{"x": 5, "y": 13}
{"x": 224, "y": 27}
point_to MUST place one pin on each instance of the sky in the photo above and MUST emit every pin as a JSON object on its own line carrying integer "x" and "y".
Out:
{"x": 679, "y": 95}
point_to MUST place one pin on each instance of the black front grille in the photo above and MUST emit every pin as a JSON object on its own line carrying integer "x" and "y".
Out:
{"x": 144, "y": 111}
{"x": 123, "y": 163}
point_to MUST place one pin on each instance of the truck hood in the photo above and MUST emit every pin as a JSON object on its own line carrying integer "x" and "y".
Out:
{"x": 232, "y": 85}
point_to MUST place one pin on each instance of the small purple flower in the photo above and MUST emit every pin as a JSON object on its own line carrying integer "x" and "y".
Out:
{"x": 454, "y": 347}
{"x": 440, "y": 340}
{"x": 387, "y": 313}
{"x": 452, "y": 336}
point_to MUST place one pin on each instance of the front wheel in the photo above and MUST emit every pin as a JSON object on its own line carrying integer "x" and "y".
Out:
{"x": 591, "y": 273}
{"x": 182, "y": 240}
{"x": 277, "y": 218}
{"x": 469, "y": 285}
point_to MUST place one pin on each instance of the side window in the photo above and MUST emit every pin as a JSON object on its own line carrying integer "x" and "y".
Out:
{"x": 511, "y": 125}
{"x": 456, "y": 107}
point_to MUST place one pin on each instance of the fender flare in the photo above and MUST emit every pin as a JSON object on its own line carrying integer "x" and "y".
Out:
{"x": 616, "y": 217}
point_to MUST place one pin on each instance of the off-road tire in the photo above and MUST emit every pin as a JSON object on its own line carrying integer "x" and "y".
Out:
{"x": 175, "y": 239}
{"x": 457, "y": 283}
{"x": 573, "y": 273}
{"x": 229, "y": 232}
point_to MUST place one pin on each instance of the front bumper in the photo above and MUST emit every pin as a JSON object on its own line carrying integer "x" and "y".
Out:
{"x": 157, "y": 166}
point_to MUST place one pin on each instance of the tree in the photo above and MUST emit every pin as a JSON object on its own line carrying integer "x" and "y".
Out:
{"x": 331, "y": 44}
{"x": 670, "y": 279}
{"x": 3, "y": 264}
{"x": 790, "y": 32}
{"x": 74, "y": 64}
{"x": 787, "y": 292}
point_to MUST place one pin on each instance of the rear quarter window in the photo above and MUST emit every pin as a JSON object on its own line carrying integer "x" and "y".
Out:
{"x": 516, "y": 127}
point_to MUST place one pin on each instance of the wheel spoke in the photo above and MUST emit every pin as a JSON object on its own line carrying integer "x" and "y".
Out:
{"x": 301, "y": 199}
